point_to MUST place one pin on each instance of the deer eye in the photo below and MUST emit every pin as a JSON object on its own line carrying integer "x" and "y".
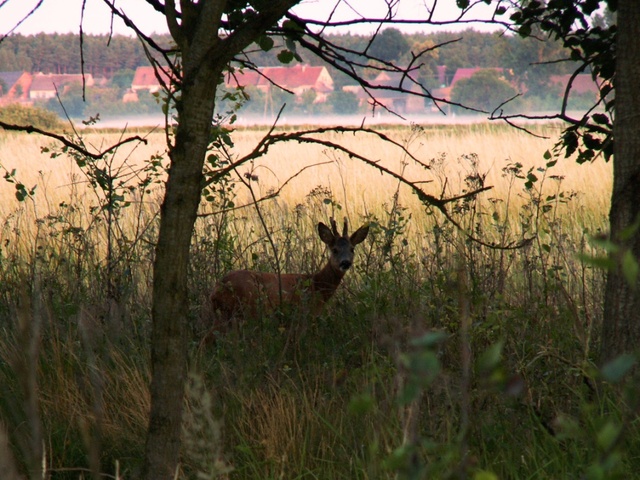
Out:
{"x": 352, "y": 250}
{"x": 335, "y": 251}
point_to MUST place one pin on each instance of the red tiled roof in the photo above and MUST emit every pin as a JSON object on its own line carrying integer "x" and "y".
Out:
{"x": 464, "y": 73}
{"x": 583, "y": 83}
{"x": 50, "y": 82}
{"x": 145, "y": 77}
{"x": 10, "y": 78}
{"x": 298, "y": 76}
{"x": 245, "y": 77}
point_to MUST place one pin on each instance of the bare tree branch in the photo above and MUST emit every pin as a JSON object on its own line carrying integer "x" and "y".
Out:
{"x": 310, "y": 136}
{"x": 68, "y": 143}
{"x": 22, "y": 20}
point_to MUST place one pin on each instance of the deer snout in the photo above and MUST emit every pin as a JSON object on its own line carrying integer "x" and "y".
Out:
{"x": 345, "y": 265}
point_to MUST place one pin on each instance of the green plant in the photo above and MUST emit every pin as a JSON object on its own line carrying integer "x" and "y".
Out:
{"x": 37, "y": 117}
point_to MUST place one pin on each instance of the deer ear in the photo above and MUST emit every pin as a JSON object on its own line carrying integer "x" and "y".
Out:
{"x": 359, "y": 235}
{"x": 326, "y": 235}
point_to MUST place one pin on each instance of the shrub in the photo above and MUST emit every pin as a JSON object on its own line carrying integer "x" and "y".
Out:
{"x": 38, "y": 117}
{"x": 343, "y": 102}
{"x": 485, "y": 90}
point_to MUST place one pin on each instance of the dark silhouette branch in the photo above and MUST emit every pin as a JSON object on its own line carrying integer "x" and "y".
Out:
{"x": 22, "y": 20}
{"x": 68, "y": 143}
{"x": 310, "y": 137}
{"x": 269, "y": 196}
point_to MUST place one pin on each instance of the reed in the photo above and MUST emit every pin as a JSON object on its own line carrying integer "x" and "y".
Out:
{"x": 353, "y": 184}
{"x": 372, "y": 389}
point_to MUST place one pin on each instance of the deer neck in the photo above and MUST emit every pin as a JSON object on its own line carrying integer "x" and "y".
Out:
{"x": 326, "y": 281}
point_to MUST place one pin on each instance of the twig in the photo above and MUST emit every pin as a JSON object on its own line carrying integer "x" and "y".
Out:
{"x": 68, "y": 143}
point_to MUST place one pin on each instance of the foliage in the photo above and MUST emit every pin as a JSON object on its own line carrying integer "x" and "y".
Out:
{"x": 60, "y": 53}
{"x": 38, "y": 117}
{"x": 123, "y": 78}
{"x": 390, "y": 45}
{"x": 343, "y": 103}
{"x": 370, "y": 389}
{"x": 486, "y": 91}
{"x": 591, "y": 45}
{"x": 104, "y": 101}
{"x": 206, "y": 46}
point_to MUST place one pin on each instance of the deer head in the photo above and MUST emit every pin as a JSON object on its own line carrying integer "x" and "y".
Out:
{"x": 341, "y": 246}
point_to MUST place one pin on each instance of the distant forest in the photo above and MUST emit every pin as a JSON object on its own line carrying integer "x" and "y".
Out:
{"x": 529, "y": 62}
{"x": 60, "y": 53}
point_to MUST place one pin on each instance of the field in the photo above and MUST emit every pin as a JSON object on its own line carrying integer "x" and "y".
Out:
{"x": 440, "y": 356}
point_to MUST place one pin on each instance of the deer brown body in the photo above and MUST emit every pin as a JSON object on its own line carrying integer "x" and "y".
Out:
{"x": 243, "y": 294}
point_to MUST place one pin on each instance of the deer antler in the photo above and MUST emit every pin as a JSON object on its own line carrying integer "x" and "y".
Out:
{"x": 334, "y": 227}
{"x": 345, "y": 230}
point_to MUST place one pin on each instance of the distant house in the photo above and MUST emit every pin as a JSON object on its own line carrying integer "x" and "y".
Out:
{"x": 298, "y": 79}
{"x": 444, "y": 93}
{"x": 14, "y": 87}
{"x": 146, "y": 78}
{"x": 582, "y": 84}
{"x": 465, "y": 73}
{"x": 387, "y": 94}
{"x": 45, "y": 86}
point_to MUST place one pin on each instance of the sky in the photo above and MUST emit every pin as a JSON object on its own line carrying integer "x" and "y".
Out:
{"x": 63, "y": 16}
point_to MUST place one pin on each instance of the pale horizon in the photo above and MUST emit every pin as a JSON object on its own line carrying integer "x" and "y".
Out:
{"x": 64, "y": 16}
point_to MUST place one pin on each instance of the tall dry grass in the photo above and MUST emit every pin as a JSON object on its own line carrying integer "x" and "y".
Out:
{"x": 332, "y": 406}
{"x": 299, "y": 171}
{"x": 356, "y": 186}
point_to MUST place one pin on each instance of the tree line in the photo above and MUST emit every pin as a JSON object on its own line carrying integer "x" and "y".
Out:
{"x": 526, "y": 61}
{"x": 61, "y": 54}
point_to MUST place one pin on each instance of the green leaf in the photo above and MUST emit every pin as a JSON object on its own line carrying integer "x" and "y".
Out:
{"x": 409, "y": 393}
{"x": 292, "y": 28}
{"x": 568, "y": 427}
{"x": 429, "y": 339}
{"x": 629, "y": 232}
{"x": 265, "y": 43}
{"x": 616, "y": 369}
{"x": 484, "y": 475}
{"x": 570, "y": 142}
{"x": 608, "y": 435}
{"x": 630, "y": 268}
{"x": 490, "y": 358}
{"x": 285, "y": 56}
{"x": 600, "y": 118}
{"x": 603, "y": 263}
{"x": 604, "y": 243}
{"x": 524, "y": 30}
{"x": 596, "y": 472}
{"x": 462, "y": 4}
{"x": 361, "y": 404}
{"x": 425, "y": 364}
{"x": 399, "y": 457}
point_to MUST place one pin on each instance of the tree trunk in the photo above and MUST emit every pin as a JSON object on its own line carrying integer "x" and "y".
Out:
{"x": 621, "y": 324}
{"x": 204, "y": 56}
{"x": 169, "y": 341}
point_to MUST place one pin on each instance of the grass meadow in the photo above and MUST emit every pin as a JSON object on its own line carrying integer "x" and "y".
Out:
{"x": 439, "y": 357}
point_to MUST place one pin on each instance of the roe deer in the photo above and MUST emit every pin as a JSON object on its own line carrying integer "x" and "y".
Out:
{"x": 244, "y": 294}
